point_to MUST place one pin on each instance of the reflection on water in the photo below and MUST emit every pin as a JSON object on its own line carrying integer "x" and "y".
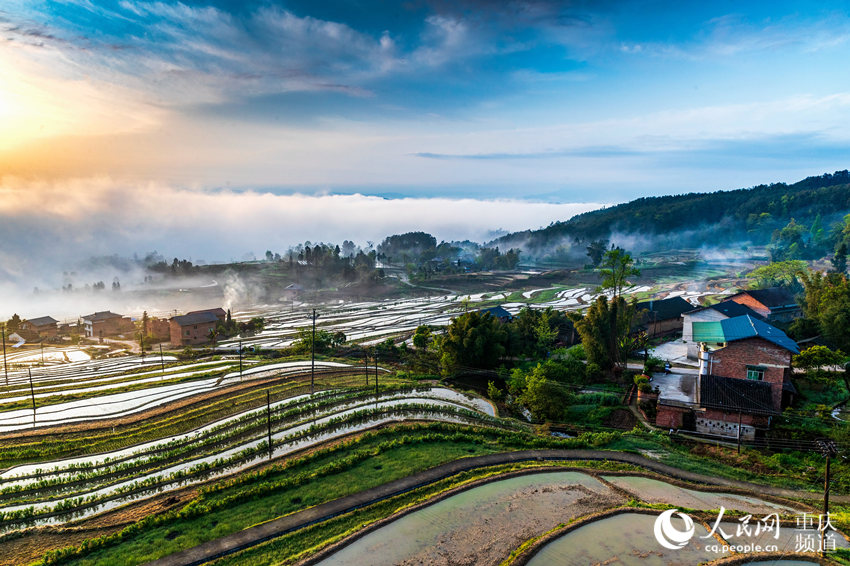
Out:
{"x": 481, "y": 525}
{"x": 623, "y": 539}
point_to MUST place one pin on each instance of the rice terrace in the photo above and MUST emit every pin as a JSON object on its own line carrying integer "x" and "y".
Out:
{"x": 526, "y": 283}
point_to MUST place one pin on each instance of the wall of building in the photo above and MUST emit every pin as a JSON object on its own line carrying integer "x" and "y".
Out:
{"x": 190, "y": 334}
{"x": 110, "y": 327}
{"x": 159, "y": 328}
{"x": 726, "y": 424}
{"x": 670, "y": 417}
{"x": 707, "y": 315}
{"x": 663, "y": 327}
{"x": 732, "y": 361}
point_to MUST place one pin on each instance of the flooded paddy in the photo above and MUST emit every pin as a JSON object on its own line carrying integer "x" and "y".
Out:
{"x": 483, "y": 525}
{"x": 656, "y": 491}
{"x": 622, "y": 539}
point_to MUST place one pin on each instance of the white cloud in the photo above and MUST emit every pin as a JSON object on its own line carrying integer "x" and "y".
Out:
{"x": 53, "y": 223}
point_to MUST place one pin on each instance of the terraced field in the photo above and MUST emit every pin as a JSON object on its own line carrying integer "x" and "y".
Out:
{"x": 108, "y": 434}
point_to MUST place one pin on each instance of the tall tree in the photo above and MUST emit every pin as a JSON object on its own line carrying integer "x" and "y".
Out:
{"x": 596, "y": 249}
{"x": 839, "y": 262}
{"x": 617, "y": 267}
{"x": 472, "y": 340}
{"x": 604, "y": 331}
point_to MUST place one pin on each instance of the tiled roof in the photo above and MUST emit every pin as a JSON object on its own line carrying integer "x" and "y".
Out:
{"x": 775, "y": 297}
{"x": 732, "y": 395}
{"x": 195, "y": 318}
{"x": 664, "y": 309}
{"x": 42, "y": 321}
{"x": 102, "y": 315}
{"x": 497, "y": 312}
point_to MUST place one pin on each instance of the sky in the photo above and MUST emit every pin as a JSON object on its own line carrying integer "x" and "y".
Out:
{"x": 214, "y": 129}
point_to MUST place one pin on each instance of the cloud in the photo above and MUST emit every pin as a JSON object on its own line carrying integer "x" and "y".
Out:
{"x": 51, "y": 225}
{"x": 733, "y": 35}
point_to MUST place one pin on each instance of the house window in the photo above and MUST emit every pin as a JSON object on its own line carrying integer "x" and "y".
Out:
{"x": 756, "y": 373}
{"x": 187, "y": 333}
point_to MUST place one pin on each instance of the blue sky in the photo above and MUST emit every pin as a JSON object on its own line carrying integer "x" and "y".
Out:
{"x": 518, "y": 103}
{"x": 517, "y": 99}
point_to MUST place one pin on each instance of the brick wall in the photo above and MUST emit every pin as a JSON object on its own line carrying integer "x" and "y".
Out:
{"x": 669, "y": 417}
{"x": 159, "y": 329}
{"x": 190, "y": 334}
{"x": 732, "y": 361}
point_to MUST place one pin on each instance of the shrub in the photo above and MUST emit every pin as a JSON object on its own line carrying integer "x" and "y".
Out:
{"x": 493, "y": 391}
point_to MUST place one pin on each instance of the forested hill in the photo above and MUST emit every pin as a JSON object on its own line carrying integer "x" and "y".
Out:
{"x": 754, "y": 215}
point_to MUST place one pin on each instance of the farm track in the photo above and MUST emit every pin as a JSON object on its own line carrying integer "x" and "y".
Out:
{"x": 253, "y": 536}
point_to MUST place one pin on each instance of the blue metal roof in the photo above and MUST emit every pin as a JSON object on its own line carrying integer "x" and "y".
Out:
{"x": 740, "y": 328}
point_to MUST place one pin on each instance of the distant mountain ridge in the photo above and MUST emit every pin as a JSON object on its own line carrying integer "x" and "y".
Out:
{"x": 695, "y": 219}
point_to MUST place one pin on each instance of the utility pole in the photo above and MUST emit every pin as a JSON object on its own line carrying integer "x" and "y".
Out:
{"x": 161, "y": 359}
{"x": 366, "y": 364}
{"x": 313, "y": 355}
{"x": 32, "y": 393}
{"x": 828, "y": 449}
{"x": 240, "y": 360}
{"x": 5, "y": 365}
{"x": 42, "y": 351}
{"x": 269, "y": 420}
{"x": 376, "y": 376}
{"x": 739, "y": 431}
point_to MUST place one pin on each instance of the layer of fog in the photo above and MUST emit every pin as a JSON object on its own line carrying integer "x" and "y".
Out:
{"x": 51, "y": 230}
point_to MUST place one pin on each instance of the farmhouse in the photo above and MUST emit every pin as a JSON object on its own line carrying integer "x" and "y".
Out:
{"x": 720, "y": 311}
{"x": 195, "y": 327}
{"x": 104, "y": 323}
{"x": 158, "y": 328}
{"x": 661, "y": 317}
{"x": 497, "y": 312}
{"x": 775, "y": 304}
{"x": 743, "y": 379}
{"x": 44, "y": 326}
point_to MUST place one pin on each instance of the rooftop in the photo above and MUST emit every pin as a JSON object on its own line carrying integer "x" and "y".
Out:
{"x": 774, "y": 297}
{"x": 664, "y": 309}
{"x": 497, "y": 312}
{"x": 195, "y": 318}
{"x": 42, "y": 321}
{"x": 741, "y": 328}
{"x": 101, "y": 315}
{"x": 731, "y": 394}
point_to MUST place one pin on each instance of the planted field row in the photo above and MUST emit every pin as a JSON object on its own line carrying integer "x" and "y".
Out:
{"x": 184, "y": 416}
{"x": 43, "y": 479}
{"x": 287, "y": 439}
{"x": 105, "y": 405}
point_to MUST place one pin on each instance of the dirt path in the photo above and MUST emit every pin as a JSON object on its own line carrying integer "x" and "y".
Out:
{"x": 267, "y": 531}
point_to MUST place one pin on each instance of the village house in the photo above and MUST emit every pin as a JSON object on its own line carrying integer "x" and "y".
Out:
{"x": 497, "y": 312}
{"x": 720, "y": 311}
{"x": 743, "y": 380}
{"x": 661, "y": 317}
{"x": 105, "y": 323}
{"x": 195, "y": 327}
{"x": 43, "y": 326}
{"x": 774, "y": 305}
{"x": 158, "y": 328}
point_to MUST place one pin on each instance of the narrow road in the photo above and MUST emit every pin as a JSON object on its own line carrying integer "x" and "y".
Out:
{"x": 255, "y": 535}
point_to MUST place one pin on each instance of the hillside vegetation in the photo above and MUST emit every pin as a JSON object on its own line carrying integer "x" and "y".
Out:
{"x": 809, "y": 212}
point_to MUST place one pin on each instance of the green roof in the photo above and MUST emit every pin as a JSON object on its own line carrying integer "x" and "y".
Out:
{"x": 740, "y": 328}
{"x": 709, "y": 332}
